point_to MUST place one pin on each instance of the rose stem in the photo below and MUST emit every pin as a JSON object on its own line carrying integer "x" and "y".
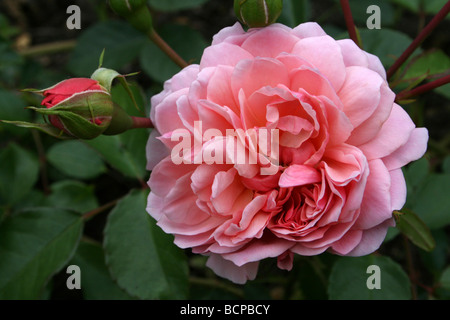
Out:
{"x": 48, "y": 48}
{"x": 213, "y": 283}
{"x": 418, "y": 40}
{"x": 167, "y": 49}
{"x": 412, "y": 273}
{"x": 349, "y": 21}
{"x": 141, "y": 122}
{"x": 42, "y": 160}
{"x": 88, "y": 215}
{"x": 423, "y": 88}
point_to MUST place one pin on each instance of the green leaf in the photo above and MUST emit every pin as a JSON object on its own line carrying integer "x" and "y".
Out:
{"x": 35, "y": 245}
{"x": 415, "y": 229}
{"x": 96, "y": 282}
{"x": 435, "y": 261}
{"x": 446, "y": 165}
{"x": 140, "y": 256}
{"x": 430, "y": 62}
{"x": 385, "y": 43}
{"x": 295, "y": 12}
{"x": 432, "y": 203}
{"x": 430, "y": 6}
{"x": 175, "y": 5}
{"x": 72, "y": 195}
{"x": 124, "y": 152}
{"x": 75, "y": 159}
{"x": 12, "y": 108}
{"x": 415, "y": 175}
{"x": 349, "y": 277}
{"x": 445, "y": 279}
{"x": 428, "y": 194}
{"x": 188, "y": 43}
{"x": 120, "y": 41}
{"x": 18, "y": 173}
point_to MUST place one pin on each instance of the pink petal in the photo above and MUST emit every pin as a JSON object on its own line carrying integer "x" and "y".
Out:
{"x": 226, "y": 189}
{"x": 181, "y": 80}
{"x": 372, "y": 239}
{"x": 165, "y": 175}
{"x": 394, "y": 133}
{"x": 308, "y": 29}
{"x": 154, "y": 205}
{"x": 376, "y": 65}
{"x": 219, "y": 88}
{"x": 166, "y": 115}
{"x": 251, "y": 75}
{"x": 303, "y": 250}
{"x": 184, "y": 78}
{"x": 268, "y": 246}
{"x": 314, "y": 83}
{"x": 353, "y": 55}
{"x": 398, "y": 189}
{"x": 376, "y": 205}
{"x": 223, "y": 54}
{"x": 343, "y": 164}
{"x": 412, "y": 150}
{"x": 360, "y": 94}
{"x": 155, "y": 150}
{"x": 325, "y": 54}
{"x": 285, "y": 261}
{"x": 348, "y": 242}
{"x": 234, "y": 34}
{"x": 298, "y": 175}
{"x": 370, "y": 127}
{"x": 227, "y": 269}
{"x": 270, "y": 41}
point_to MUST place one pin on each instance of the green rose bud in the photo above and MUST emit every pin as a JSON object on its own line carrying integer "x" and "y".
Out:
{"x": 258, "y": 13}
{"x": 125, "y": 7}
{"x": 135, "y": 12}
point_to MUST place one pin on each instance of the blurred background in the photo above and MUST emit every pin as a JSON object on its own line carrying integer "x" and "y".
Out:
{"x": 37, "y": 50}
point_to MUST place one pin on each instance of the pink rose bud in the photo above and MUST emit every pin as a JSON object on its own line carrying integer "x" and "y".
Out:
{"x": 80, "y": 107}
{"x": 258, "y": 13}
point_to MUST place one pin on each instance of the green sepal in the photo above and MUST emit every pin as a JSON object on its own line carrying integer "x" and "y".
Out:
{"x": 44, "y": 127}
{"x": 106, "y": 76}
{"x": 120, "y": 121}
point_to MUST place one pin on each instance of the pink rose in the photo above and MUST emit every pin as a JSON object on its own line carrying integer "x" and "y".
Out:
{"x": 337, "y": 171}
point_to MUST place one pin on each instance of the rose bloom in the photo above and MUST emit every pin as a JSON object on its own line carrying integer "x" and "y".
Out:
{"x": 342, "y": 143}
{"x": 63, "y": 91}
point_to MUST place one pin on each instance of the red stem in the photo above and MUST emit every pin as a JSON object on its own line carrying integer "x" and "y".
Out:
{"x": 142, "y": 122}
{"x": 349, "y": 21}
{"x": 167, "y": 49}
{"x": 423, "y": 88}
{"x": 418, "y": 40}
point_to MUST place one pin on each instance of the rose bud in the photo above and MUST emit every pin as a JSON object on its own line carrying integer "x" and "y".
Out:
{"x": 79, "y": 107}
{"x": 135, "y": 11}
{"x": 258, "y": 13}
